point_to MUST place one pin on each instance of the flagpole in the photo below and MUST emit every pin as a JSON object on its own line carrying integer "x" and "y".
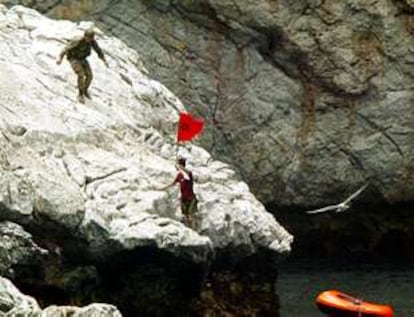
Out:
{"x": 177, "y": 147}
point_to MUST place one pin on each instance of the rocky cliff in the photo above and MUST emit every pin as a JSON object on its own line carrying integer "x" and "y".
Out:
{"x": 307, "y": 99}
{"x": 82, "y": 179}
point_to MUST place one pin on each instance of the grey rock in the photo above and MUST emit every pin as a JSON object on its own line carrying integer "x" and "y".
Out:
{"x": 17, "y": 248}
{"x": 306, "y": 99}
{"x": 14, "y": 303}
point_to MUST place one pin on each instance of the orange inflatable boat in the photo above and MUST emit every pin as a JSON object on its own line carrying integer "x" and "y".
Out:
{"x": 334, "y": 303}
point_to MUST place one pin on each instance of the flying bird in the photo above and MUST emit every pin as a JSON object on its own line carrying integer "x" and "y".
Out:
{"x": 341, "y": 206}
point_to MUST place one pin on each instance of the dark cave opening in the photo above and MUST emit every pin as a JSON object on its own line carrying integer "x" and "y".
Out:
{"x": 396, "y": 243}
{"x": 365, "y": 232}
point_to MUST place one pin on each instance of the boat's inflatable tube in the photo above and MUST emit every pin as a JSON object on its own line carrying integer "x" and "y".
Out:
{"x": 335, "y": 303}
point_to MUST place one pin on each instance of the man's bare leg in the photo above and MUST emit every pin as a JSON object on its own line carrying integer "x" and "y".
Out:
{"x": 189, "y": 221}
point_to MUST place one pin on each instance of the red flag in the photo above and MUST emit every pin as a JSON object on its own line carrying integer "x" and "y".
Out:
{"x": 188, "y": 127}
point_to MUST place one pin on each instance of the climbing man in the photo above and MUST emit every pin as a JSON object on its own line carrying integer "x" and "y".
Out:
{"x": 188, "y": 199}
{"x": 77, "y": 51}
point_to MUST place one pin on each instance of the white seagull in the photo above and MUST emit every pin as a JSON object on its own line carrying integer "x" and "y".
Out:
{"x": 341, "y": 206}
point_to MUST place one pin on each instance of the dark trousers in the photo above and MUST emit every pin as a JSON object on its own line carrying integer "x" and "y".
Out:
{"x": 82, "y": 68}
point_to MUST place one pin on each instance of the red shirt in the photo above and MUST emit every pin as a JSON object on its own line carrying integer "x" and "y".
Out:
{"x": 186, "y": 185}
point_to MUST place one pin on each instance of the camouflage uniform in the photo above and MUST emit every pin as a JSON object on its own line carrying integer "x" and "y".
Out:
{"x": 77, "y": 51}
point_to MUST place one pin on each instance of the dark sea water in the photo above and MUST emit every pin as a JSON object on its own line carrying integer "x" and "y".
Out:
{"x": 300, "y": 281}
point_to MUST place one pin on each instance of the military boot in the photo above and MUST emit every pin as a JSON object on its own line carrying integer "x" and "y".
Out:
{"x": 87, "y": 95}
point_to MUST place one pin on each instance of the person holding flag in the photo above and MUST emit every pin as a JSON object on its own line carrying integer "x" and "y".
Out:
{"x": 187, "y": 128}
{"x": 184, "y": 178}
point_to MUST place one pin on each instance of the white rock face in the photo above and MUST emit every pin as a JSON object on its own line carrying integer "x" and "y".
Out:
{"x": 95, "y": 168}
{"x": 309, "y": 99}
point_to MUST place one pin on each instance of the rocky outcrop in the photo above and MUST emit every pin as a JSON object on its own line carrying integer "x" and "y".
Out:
{"x": 305, "y": 98}
{"x": 14, "y": 303}
{"x": 83, "y": 179}
{"x": 18, "y": 250}
{"x": 95, "y": 168}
